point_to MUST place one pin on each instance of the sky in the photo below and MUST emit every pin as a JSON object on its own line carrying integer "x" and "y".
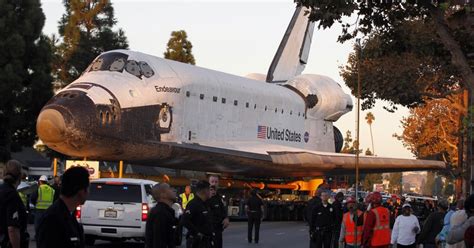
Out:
{"x": 241, "y": 37}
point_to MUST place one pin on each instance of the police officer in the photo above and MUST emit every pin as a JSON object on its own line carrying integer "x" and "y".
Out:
{"x": 218, "y": 215}
{"x": 162, "y": 223}
{"x": 254, "y": 209}
{"x": 218, "y": 211}
{"x": 322, "y": 223}
{"x": 43, "y": 198}
{"x": 59, "y": 228}
{"x": 13, "y": 218}
{"x": 197, "y": 219}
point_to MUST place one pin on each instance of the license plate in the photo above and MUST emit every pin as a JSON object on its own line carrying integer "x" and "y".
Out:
{"x": 110, "y": 214}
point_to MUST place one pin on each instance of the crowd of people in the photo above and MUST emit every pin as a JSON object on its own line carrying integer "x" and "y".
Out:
{"x": 373, "y": 223}
{"x": 338, "y": 222}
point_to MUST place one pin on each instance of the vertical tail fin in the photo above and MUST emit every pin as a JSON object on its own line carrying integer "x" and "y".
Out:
{"x": 292, "y": 54}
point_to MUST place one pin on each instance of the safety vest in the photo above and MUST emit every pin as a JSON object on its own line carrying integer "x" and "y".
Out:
{"x": 45, "y": 197}
{"x": 350, "y": 235}
{"x": 381, "y": 235}
{"x": 23, "y": 198}
{"x": 185, "y": 200}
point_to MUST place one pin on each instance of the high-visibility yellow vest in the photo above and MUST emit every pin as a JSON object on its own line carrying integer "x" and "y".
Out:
{"x": 185, "y": 200}
{"x": 45, "y": 196}
{"x": 24, "y": 198}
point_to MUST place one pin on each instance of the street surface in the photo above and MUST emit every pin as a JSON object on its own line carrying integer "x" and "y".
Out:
{"x": 272, "y": 234}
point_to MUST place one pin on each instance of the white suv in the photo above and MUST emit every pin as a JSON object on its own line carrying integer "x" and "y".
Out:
{"x": 116, "y": 209}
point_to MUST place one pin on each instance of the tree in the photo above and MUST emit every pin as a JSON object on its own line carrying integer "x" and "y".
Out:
{"x": 25, "y": 81}
{"x": 370, "y": 118}
{"x": 86, "y": 30}
{"x": 429, "y": 184}
{"x": 349, "y": 144}
{"x": 180, "y": 48}
{"x": 395, "y": 182}
{"x": 371, "y": 179}
{"x": 386, "y": 23}
{"x": 368, "y": 152}
{"x": 434, "y": 129}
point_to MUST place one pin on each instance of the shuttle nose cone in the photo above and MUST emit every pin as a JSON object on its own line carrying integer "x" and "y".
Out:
{"x": 51, "y": 126}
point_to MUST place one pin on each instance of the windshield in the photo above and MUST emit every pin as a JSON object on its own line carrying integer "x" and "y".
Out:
{"x": 115, "y": 192}
{"x": 115, "y": 61}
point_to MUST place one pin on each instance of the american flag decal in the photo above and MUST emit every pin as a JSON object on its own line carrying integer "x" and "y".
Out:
{"x": 262, "y": 132}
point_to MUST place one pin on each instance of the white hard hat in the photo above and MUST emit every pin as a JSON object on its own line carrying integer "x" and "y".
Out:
{"x": 43, "y": 178}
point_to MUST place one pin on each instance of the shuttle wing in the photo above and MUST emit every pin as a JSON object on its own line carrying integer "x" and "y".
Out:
{"x": 276, "y": 160}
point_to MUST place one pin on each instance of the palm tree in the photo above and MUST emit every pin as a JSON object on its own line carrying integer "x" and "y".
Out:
{"x": 370, "y": 119}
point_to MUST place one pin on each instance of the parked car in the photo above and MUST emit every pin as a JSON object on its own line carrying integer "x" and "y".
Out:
{"x": 116, "y": 209}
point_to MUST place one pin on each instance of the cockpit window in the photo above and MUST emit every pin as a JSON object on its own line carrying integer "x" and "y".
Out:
{"x": 118, "y": 64}
{"x": 97, "y": 64}
{"x": 116, "y": 61}
{"x": 146, "y": 69}
{"x": 133, "y": 68}
{"x": 109, "y": 61}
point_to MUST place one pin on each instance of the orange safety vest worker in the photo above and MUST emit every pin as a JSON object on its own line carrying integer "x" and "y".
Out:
{"x": 350, "y": 235}
{"x": 186, "y": 199}
{"x": 381, "y": 235}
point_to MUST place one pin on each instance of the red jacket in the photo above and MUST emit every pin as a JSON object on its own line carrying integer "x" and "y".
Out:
{"x": 369, "y": 224}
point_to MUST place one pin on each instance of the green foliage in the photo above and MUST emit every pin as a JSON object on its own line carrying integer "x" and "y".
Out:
{"x": 371, "y": 179}
{"x": 429, "y": 184}
{"x": 86, "y": 30}
{"x": 180, "y": 48}
{"x": 405, "y": 66}
{"x": 349, "y": 144}
{"x": 368, "y": 152}
{"x": 395, "y": 182}
{"x": 412, "y": 49}
{"x": 25, "y": 81}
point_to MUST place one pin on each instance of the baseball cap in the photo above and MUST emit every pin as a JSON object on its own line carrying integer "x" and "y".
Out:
{"x": 406, "y": 205}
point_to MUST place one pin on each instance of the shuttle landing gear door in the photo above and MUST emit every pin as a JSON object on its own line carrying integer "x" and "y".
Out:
{"x": 164, "y": 119}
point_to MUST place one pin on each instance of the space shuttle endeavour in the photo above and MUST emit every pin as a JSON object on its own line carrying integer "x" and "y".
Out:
{"x": 147, "y": 110}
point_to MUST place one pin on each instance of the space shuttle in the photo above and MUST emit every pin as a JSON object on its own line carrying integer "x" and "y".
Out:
{"x": 152, "y": 111}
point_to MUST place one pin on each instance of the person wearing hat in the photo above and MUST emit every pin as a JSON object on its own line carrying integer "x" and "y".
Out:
{"x": 405, "y": 229}
{"x": 43, "y": 198}
{"x": 351, "y": 234}
{"x": 197, "y": 219}
{"x": 433, "y": 225}
{"x": 13, "y": 218}
{"x": 376, "y": 224}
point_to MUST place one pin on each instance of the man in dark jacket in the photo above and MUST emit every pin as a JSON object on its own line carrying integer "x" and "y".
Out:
{"x": 58, "y": 228}
{"x": 13, "y": 217}
{"x": 218, "y": 213}
{"x": 338, "y": 213}
{"x": 322, "y": 223}
{"x": 162, "y": 223}
{"x": 433, "y": 225}
{"x": 197, "y": 220}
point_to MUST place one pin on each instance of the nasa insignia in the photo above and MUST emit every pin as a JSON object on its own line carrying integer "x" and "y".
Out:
{"x": 306, "y": 137}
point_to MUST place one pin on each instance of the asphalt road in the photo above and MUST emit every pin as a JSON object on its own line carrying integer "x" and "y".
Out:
{"x": 272, "y": 234}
